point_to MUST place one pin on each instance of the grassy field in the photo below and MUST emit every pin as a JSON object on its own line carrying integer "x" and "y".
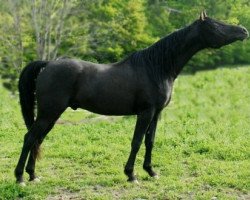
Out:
{"x": 202, "y": 148}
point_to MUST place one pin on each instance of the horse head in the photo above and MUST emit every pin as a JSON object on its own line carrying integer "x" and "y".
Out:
{"x": 216, "y": 34}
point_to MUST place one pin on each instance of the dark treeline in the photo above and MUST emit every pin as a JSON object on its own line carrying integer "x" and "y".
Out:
{"x": 107, "y": 30}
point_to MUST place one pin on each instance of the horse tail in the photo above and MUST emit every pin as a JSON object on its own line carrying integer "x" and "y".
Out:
{"x": 27, "y": 87}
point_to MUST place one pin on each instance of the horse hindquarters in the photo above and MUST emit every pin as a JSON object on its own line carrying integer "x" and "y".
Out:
{"x": 53, "y": 97}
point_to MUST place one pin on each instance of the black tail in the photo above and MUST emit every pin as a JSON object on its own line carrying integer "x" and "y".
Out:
{"x": 26, "y": 86}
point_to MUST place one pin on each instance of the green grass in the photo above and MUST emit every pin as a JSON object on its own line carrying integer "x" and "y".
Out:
{"x": 202, "y": 147}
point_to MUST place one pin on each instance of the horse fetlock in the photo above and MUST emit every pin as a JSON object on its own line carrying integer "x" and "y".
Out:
{"x": 132, "y": 178}
{"x": 130, "y": 174}
{"x": 19, "y": 180}
{"x": 31, "y": 173}
{"x": 32, "y": 177}
{"x": 150, "y": 171}
{"x": 18, "y": 173}
{"x": 128, "y": 171}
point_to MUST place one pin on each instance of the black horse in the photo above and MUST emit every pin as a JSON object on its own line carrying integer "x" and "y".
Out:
{"x": 139, "y": 85}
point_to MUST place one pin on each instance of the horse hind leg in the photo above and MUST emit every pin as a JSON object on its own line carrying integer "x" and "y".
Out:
{"x": 33, "y": 139}
{"x": 37, "y": 129}
{"x": 34, "y": 154}
{"x": 30, "y": 168}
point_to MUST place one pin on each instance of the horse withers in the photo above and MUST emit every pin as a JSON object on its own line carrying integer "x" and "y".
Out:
{"x": 141, "y": 85}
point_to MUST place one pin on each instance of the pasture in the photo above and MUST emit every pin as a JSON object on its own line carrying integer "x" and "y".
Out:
{"x": 202, "y": 147}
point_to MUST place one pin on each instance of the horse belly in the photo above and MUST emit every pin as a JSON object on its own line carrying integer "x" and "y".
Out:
{"x": 107, "y": 102}
{"x": 110, "y": 91}
{"x": 107, "y": 106}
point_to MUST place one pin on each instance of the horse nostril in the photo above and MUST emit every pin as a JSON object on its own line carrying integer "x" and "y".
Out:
{"x": 244, "y": 30}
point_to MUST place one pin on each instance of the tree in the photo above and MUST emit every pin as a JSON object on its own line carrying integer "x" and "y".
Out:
{"x": 48, "y": 20}
{"x": 27, "y": 37}
{"x": 12, "y": 45}
{"x": 117, "y": 28}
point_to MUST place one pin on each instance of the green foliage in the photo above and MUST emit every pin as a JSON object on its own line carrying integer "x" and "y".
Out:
{"x": 230, "y": 11}
{"x": 117, "y": 29}
{"x": 202, "y": 148}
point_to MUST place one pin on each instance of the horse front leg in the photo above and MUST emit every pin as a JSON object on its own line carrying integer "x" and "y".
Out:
{"x": 142, "y": 124}
{"x": 149, "y": 143}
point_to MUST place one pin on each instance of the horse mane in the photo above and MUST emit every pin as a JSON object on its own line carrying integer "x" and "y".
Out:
{"x": 159, "y": 58}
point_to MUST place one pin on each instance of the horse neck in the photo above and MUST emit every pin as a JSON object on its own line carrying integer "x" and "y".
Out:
{"x": 177, "y": 49}
{"x": 184, "y": 52}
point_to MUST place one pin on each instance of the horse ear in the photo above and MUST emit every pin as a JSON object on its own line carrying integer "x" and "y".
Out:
{"x": 203, "y": 15}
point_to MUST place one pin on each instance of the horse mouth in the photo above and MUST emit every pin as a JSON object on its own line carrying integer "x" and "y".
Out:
{"x": 241, "y": 37}
{"x": 244, "y": 37}
{"x": 244, "y": 34}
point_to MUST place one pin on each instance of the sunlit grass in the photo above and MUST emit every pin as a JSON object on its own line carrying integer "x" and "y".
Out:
{"x": 202, "y": 147}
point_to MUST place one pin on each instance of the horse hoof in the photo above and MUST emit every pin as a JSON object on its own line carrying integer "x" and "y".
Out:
{"x": 156, "y": 176}
{"x": 135, "y": 182}
{"x": 36, "y": 180}
{"x": 22, "y": 184}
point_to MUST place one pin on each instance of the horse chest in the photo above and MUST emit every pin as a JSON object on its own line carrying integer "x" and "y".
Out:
{"x": 166, "y": 97}
{"x": 165, "y": 94}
